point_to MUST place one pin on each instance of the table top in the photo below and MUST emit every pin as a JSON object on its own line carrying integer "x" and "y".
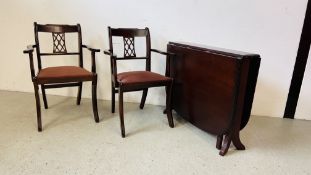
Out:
{"x": 215, "y": 50}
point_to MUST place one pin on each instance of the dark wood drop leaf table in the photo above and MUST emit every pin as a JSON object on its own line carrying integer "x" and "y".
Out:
{"x": 214, "y": 89}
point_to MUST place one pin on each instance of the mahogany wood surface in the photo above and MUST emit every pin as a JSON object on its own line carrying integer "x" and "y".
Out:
{"x": 214, "y": 89}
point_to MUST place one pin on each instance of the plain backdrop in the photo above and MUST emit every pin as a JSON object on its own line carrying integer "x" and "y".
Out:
{"x": 269, "y": 28}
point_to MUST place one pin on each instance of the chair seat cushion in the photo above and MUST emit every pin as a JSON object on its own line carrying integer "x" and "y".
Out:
{"x": 63, "y": 74}
{"x": 141, "y": 78}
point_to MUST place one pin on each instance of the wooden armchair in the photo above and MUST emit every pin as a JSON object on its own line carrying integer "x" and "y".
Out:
{"x": 61, "y": 76}
{"x": 136, "y": 80}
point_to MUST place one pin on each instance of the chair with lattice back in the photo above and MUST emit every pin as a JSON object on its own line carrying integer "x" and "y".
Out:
{"x": 61, "y": 76}
{"x": 136, "y": 80}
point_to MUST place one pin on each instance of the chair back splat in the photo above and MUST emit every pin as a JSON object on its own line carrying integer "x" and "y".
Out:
{"x": 128, "y": 35}
{"x": 58, "y": 33}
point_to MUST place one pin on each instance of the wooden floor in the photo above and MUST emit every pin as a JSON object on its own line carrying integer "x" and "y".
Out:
{"x": 72, "y": 143}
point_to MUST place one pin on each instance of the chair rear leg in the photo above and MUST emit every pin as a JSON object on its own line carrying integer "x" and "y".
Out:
{"x": 121, "y": 112}
{"x": 168, "y": 105}
{"x": 94, "y": 99}
{"x": 39, "y": 122}
{"x": 45, "y": 102}
{"x": 79, "y": 94}
{"x": 143, "y": 99}
{"x": 113, "y": 98}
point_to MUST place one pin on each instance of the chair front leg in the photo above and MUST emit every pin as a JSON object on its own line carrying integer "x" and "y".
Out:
{"x": 94, "y": 98}
{"x": 168, "y": 109}
{"x": 44, "y": 97}
{"x": 38, "y": 106}
{"x": 79, "y": 94}
{"x": 121, "y": 112}
{"x": 143, "y": 99}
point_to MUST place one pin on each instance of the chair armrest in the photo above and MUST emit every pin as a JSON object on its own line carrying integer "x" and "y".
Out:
{"x": 113, "y": 64}
{"x": 90, "y": 48}
{"x": 169, "y": 55}
{"x": 108, "y": 52}
{"x": 29, "y": 49}
{"x": 163, "y": 53}
{"x": 93, "y": 51}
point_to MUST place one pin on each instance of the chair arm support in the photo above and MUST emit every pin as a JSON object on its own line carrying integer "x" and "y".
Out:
{"x": 29, "y": 51}
{"x": 93, "y": 51}
{"x": 168, "y": 57}
{"x": 90, "y": 48}
{"x": 113, "y": 63}
{"x": 163, "y": 53}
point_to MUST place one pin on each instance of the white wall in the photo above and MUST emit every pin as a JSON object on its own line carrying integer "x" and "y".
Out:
{"x": 270, "y": 28}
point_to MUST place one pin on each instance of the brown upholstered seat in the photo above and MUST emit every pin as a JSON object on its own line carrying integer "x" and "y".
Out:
{"x": 141, "y": 77}
{"x": 63, "y": 74}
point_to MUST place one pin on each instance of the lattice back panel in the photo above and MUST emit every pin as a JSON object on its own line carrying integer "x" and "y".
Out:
{"x": 129, "y": 47}
{"x": 59, "y": 43}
